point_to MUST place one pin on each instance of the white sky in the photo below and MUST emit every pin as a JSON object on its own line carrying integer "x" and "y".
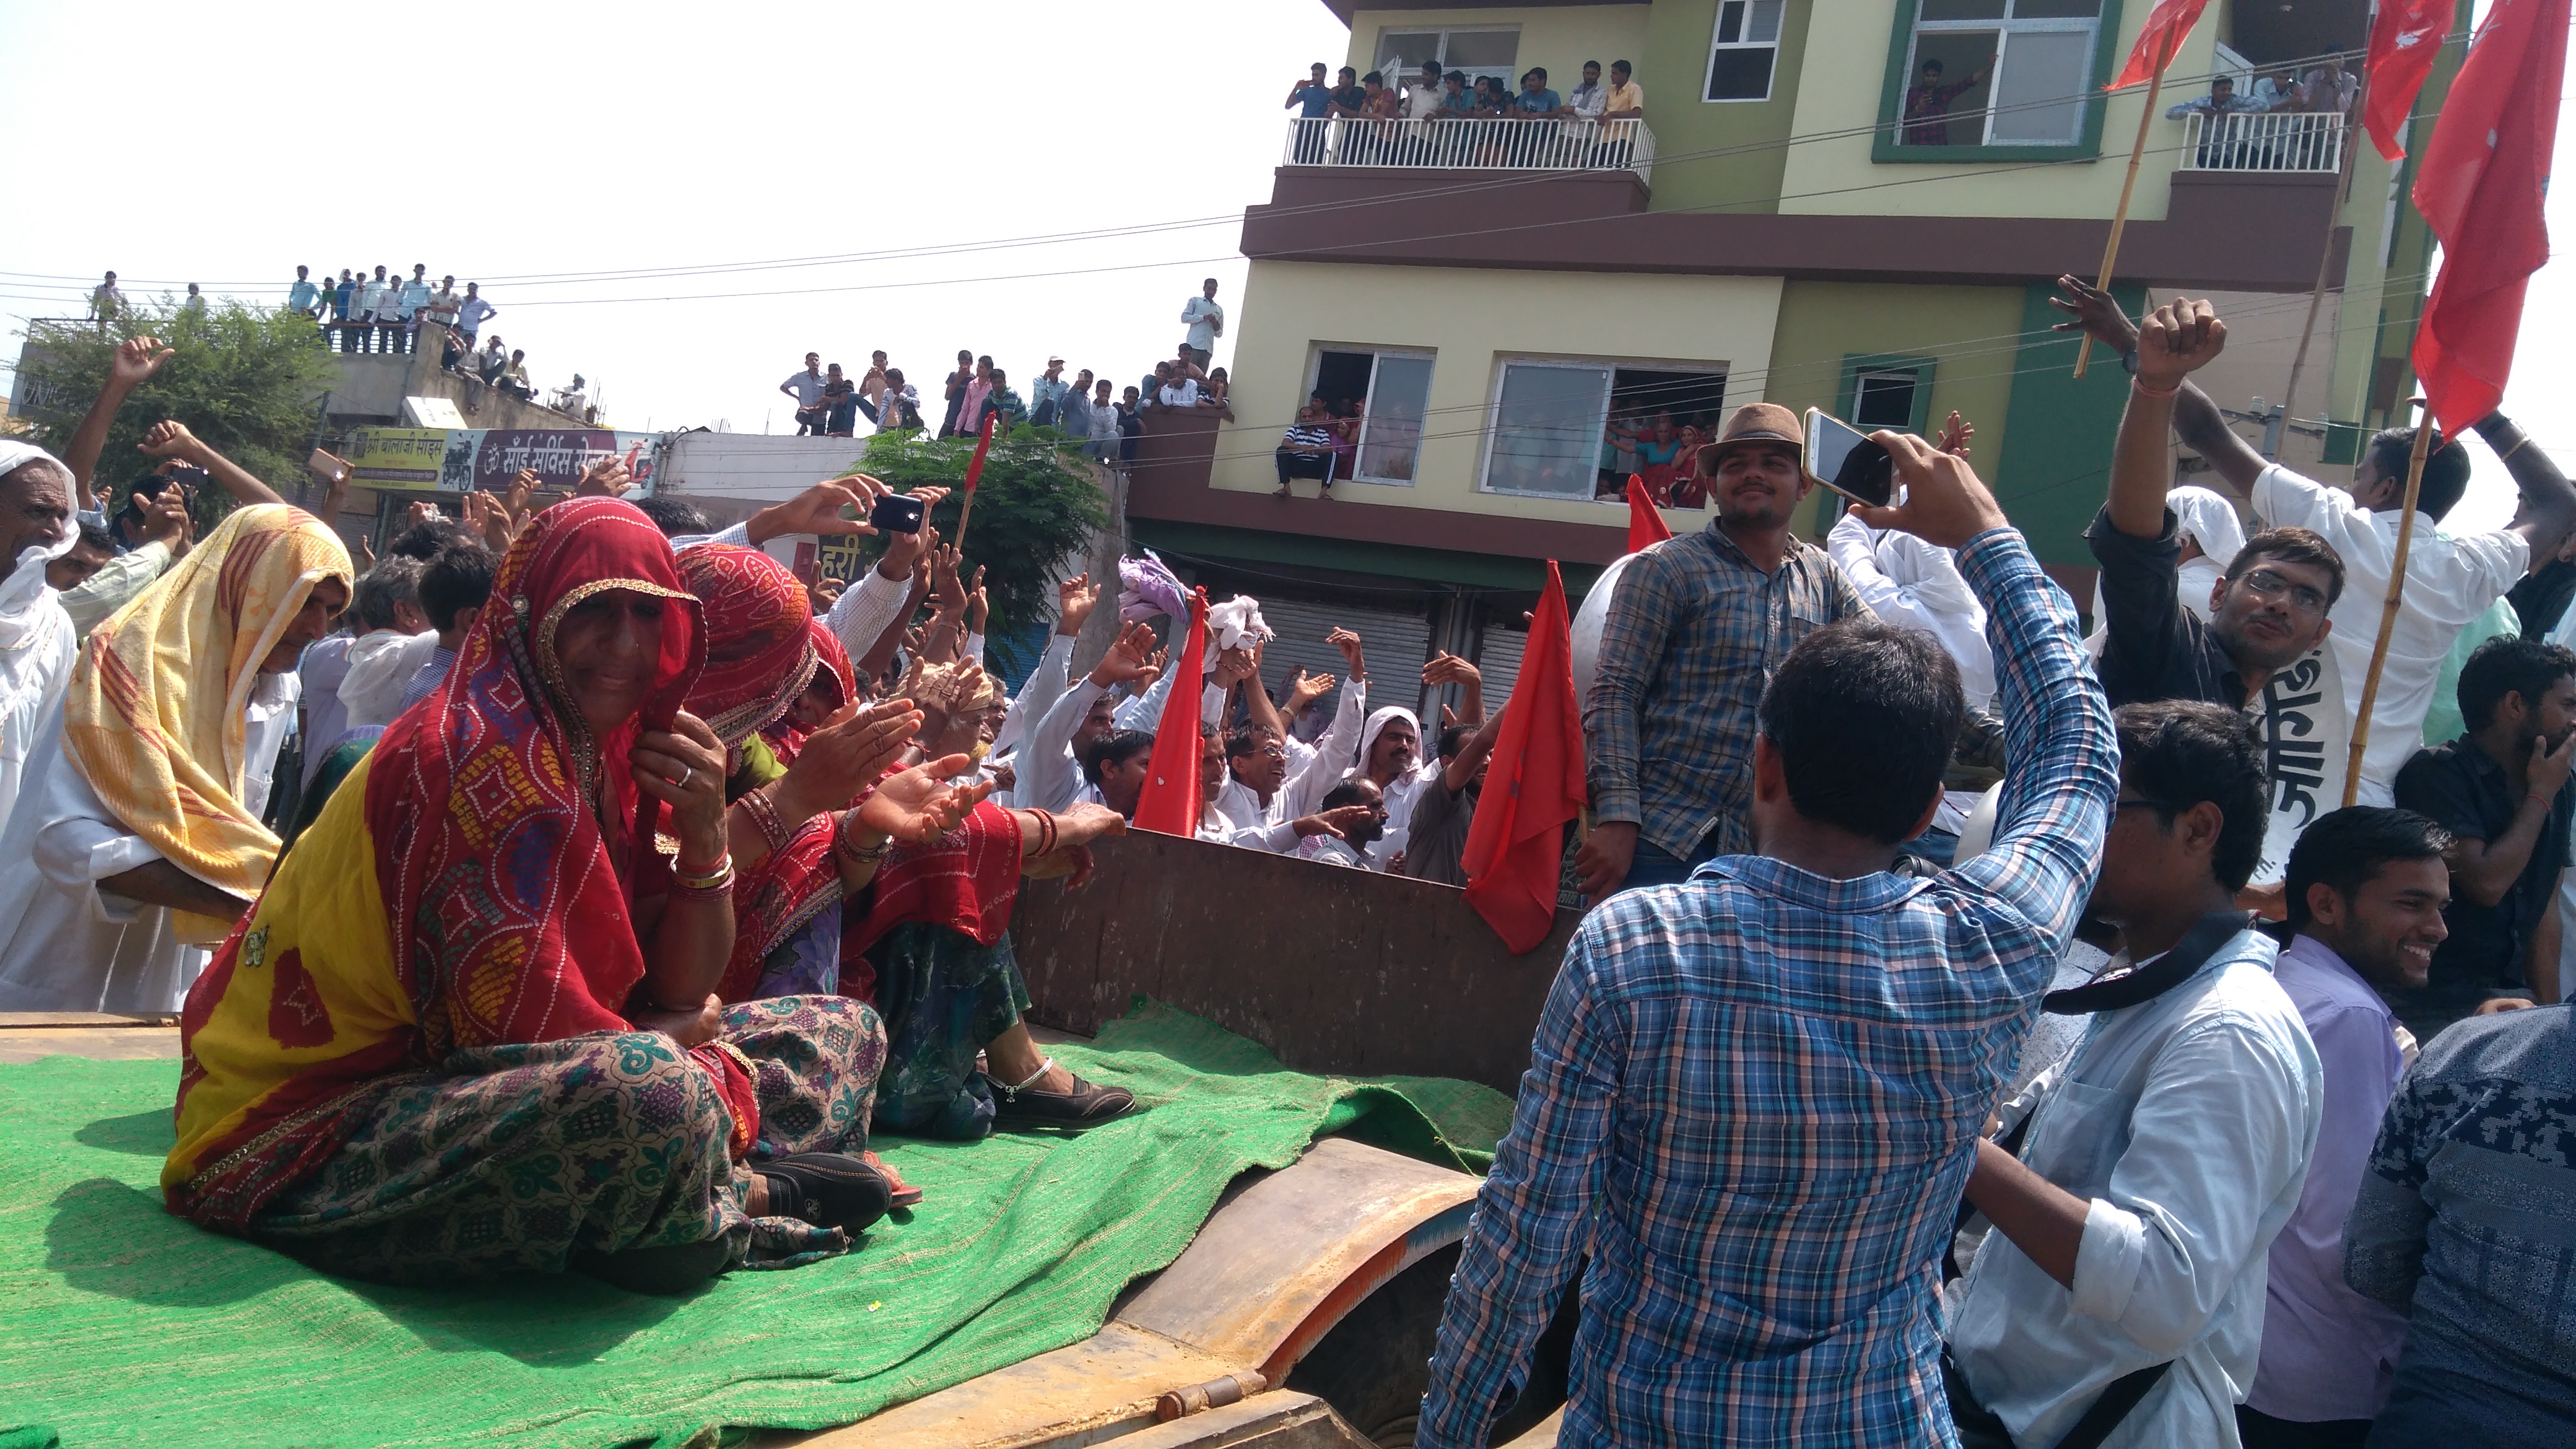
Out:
{"x": 226, "y": 144}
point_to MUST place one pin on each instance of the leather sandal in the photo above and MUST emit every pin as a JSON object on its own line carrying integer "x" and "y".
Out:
{"x": 827, "y": 1189}
{"x": 1087, "y": 1105}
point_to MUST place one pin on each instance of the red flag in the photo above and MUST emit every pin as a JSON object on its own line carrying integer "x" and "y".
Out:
{"x": 1516, "y": 844}
{"x": 983, "y": 445}
{"x": 1170, "y": 800}
{"x": 2480, "y": 186}
{"x": 2158, "y": 39}
{"x": 2405, "y": 38}
{"x": 1645, "y": 526}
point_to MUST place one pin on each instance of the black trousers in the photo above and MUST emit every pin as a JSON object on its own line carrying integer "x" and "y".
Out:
{"x": 1304, "y": 465}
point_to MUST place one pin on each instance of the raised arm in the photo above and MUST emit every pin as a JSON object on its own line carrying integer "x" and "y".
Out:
{"x": 134, "y": 360}
{"x": 2546, "y": 514}
{"x": 1446, "y": 668}
{"x": 2057, "y": 800}
{"x": 173, "y": 440}
{"x": 2197, "y": 420}
{"x": 2180, "y": 338}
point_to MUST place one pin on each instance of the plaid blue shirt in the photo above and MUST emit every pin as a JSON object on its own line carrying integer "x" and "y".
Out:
{"x": 1753, "y": 1100}
{"x": 1693, "y": 633}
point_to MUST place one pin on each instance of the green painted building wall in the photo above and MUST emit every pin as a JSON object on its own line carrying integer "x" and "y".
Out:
{"x": 1715, "y": 156}
{"x": 2054, "y": 466}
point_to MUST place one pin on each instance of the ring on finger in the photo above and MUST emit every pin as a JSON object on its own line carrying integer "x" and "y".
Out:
{"x": 687, "y": 773}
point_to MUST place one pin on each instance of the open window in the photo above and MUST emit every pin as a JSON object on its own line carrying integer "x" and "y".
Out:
{"x": 1575, "y": 429}
{"x": 1886, "y": 392}
{"x": 1389, "y": 392}
{"x": 1482, "y": 51}
{"x": 1994, "y": 73}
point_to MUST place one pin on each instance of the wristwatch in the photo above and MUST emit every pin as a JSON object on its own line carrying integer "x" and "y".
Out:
{"x": 2129, "y": 362}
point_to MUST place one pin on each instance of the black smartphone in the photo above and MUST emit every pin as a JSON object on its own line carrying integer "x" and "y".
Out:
{"x": 896, "y": 513}
{"x": 1842, "y": 457}
{"x": 191, "y": 479}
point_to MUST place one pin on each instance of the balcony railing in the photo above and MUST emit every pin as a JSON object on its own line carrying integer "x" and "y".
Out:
{"x": 2282, "y": 141}
{"x": 1473, "y": 143}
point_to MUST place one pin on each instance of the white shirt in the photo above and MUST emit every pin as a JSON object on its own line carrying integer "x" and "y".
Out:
{"x": 380, "y": 664}
{"x": 2187, "y": 1121}
{"x": 37, "y": 647}
{"x": 1916, "y": 585}
{"x": 2449, "y": 583}
{"x": 1204, "y": 316}
{"x": 1588, "y": 100}
{"x": 65, "y": 943}
{"x": 1182, "y": 394}
{"x": 471, "y": 315}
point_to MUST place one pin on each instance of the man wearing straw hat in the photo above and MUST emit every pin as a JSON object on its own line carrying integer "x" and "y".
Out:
{"x": 1694, "y": 630}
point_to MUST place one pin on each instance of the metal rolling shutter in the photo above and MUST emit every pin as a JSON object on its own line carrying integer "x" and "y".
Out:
{"x": 1498, "y": 658}
{"x": 1395, "y": 644}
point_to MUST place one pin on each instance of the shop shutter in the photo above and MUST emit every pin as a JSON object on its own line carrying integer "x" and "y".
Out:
{"x": 1498, "y": 658}
{"x": 1394, "y": 643}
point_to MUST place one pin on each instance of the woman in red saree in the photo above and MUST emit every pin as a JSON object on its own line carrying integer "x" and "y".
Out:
{"x": 493, "y": 1047}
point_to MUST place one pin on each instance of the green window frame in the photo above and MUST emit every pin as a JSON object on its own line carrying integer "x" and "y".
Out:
{"x": 1883, "y": 146}
{"x": 1847, "y": 396}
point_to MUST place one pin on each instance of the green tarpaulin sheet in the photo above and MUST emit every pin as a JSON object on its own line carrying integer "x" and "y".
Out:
{"x": 120, "y": 1324}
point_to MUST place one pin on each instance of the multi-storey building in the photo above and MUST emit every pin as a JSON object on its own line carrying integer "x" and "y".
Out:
{"x": 1493, "y": 294}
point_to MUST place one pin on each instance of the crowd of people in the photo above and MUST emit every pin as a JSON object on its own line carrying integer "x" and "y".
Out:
{"x": 1378, "y": 120}
{"x": 829, "y": 403}
{"x": 1875, "y": 1101}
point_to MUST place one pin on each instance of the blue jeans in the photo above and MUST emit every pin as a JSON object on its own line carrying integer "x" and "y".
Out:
{"x": 1653, "y": 865}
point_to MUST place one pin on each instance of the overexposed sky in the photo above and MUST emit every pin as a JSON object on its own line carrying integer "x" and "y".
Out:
{"x": 926, "y": 150}
{"x": 513, "y": 143}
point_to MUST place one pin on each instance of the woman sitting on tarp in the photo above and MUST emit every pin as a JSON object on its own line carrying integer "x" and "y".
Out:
{"x": 920, "y": 930}
{"x": 468, "y": 1028}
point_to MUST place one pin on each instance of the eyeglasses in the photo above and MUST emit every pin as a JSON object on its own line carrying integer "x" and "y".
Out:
{"x": 2269, "y": 585}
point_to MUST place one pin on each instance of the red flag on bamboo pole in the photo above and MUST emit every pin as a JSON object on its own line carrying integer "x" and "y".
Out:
{"x": 1533, "y": 787}
{"x": 2480, "y": 187}
{"x": 2405, "y": 38}
{"x": 1170, "y": 800}
{"x": 983, "y": 445}
{"x": 2158, "y": 40}
{"x": 1646, "y": 527}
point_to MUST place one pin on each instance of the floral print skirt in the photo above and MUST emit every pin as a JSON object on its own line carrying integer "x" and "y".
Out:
{"x": 512, "y": 1158}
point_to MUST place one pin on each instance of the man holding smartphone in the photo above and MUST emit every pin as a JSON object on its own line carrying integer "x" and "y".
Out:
{"x": 1695, "y": 628}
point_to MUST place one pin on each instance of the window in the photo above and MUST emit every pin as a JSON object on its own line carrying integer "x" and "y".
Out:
{"x": 1886, "y": 392}
{"x": 1477, "y": 52}
{"x": 1740, "y": 54}
{"x": 1389, "y": 391}
{"x": 1998, "y": 73}
{"x": 1578, "y": 429}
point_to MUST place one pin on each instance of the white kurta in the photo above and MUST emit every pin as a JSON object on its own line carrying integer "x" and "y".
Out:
{"x": 68, "y": 945}
{"x": 37, "y": 645}
{"x": 380, "y": 664}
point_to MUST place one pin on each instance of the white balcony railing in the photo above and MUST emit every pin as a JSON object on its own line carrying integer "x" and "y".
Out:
{"x": 1473, "y": 143}
{"x": 2282, "y": 141}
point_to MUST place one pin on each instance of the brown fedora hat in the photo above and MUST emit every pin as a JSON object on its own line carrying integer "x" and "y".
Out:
{"x": 1754, "y": 423}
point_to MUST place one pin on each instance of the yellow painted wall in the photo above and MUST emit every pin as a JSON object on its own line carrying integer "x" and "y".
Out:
{"x": 1559, "y": 39}
{"x": 1838, "y": 91}
{"x": 1470, "y": 319}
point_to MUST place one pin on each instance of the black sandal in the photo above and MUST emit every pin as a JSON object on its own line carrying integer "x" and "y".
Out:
{"x": 1087, "y": 1105}
{"x": 827, "y": 1189}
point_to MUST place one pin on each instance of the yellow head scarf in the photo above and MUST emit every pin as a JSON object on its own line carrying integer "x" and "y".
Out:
{"x": 153, "y": 726}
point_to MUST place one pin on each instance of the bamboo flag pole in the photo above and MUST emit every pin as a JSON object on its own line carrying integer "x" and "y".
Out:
{"x": 2325, "y": 263}
{"x": 2387, "y": 609}
{"x": 2120, "y": 218}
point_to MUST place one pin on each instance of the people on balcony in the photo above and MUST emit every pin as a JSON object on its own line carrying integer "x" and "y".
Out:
{"x": 1313, "y": 101}
{"x": 1927, "y": 105}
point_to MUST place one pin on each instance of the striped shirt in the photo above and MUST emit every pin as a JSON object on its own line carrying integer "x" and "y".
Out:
{"x": 1693, "y": 634}
{"x": 1753, "y": 1101}
{"x": 1308, "y": 437}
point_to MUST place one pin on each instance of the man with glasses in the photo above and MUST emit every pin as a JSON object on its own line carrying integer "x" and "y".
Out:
{"x": 2270, "y": 607}
{"x": 2450, "y": 580}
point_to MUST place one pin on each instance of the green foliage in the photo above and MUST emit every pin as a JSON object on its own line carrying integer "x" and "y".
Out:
{"x": 1035, "y": 506}
{"x": 247, "y": 380}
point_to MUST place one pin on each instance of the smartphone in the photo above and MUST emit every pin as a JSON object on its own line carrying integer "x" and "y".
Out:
{"x": 188, "y": 478}
{"x": 1842, "y": 457}
{"x": 325, "y": 467}
{"x": 896, "y": 513}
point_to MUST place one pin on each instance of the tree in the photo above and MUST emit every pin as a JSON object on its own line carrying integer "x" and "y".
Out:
{"x": 1036, "y": 505}
{"x": 248, "y": 380}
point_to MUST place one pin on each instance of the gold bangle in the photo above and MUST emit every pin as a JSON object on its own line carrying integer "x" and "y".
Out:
{"x": 709, "y": 883}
